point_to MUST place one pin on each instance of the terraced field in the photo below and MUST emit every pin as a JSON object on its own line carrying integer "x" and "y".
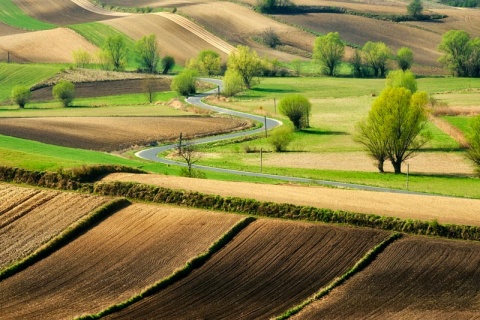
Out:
{"x": 127, "y": 252}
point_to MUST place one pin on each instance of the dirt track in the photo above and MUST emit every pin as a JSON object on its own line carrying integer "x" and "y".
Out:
{"x": 414, "y": 278}
{"x": 127, "y": 252}
{"x": 267, "y": 268}
{"x": 446, "y": 210}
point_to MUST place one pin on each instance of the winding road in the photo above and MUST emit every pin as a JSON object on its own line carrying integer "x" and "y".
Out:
{"x": 152, "y": 153}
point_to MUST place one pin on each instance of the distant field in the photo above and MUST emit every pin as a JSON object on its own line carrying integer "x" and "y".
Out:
{"x": 12, "y": 15}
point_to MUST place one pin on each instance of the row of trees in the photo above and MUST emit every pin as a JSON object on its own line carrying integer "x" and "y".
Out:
{"x": 63, "y": 91}
{"x": 461, "y": 53}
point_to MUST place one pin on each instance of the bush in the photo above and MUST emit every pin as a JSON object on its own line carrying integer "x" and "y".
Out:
{"x": 232, "y": 83}
{"x": 185, "y": 82}
{"x": 81, "y": 58}
{"x": 270, "y": 37}
{"x": 473, "y": 152}
{"x": 21, "y": 95}
{"x": 168, "y": 62}
{"x": 65, "y": 92}
{"x": 281, "y": 137}
{"x": 297, "y": 108}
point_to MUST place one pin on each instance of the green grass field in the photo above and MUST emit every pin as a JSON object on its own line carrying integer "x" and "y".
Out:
{"x": 13, "y": 74}
{"x": 12, "y": 15}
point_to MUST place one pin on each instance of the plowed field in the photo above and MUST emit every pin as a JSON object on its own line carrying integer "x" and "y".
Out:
{"x": 103, "y": 133}
{"x": 6, "y": 30}
{"x": 29, "y": 218}
{"x": 414, "y": 278}
{"x": 267, "y": 268}
{"x": 445, "y": 209}
{"x": 54, "y": 45}
{"x": 130, "y": 250}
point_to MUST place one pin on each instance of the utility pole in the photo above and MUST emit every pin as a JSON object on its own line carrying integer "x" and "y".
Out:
{"x": 408, "y": 173}
{"x": 266, "y": 134}
{"x": 275, "y": 105}
{"x": 261, "y": 160}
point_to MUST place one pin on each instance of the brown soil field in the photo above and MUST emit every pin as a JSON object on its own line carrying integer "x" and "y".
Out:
{"x": 266, "y": 269}
{"x": 104, "y": 88}
{"x": 53, "y": 46}
{"x": 29, "y": 218}
{"x": 57, "y": 12}
{"x": 414, "y": 278}
{"x": 6, "y": 30}
{"x": 103, "y": 134}
{"x": 122, "y": 255}
{"x": 444, "y": 209}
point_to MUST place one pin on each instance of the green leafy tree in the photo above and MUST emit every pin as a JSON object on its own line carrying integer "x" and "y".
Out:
{"x": 297, "y": 108}
{"x": 357, "y": 64}
{"x": 375, "y": 56}
{"x": 65, "y": 92}
{"x": 232, "y": 83}
{"x": 474, "y": 61}
{"x": 116, "y": 49}
{"x": 404, "y": 58}
{"x": 415, "y": 8}
{"x": 168, "y": 62}
{"x": 208, "y": 62}
{"x": 456, "y": 49}
{"x": 281, "y": 137}
{"x": 393, "y": 126}
{"x": 20, "y": 95}
{"x": 185, "y": 82}
{"x": 246, "y": 62}
{"x": 473, "y": 139}
{"x": 328, "y": 52}
{"x": 403, "y": 79}
{"x": 148, "y": 53}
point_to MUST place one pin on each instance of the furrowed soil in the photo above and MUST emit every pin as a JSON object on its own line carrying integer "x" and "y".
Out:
{"x": 444, "y": 209}
{"x": 414, "y": 278}
{"x": 113, "y": 261}
{"x": 31, "y": 217}
{"x": 266, "y": 269}
{"x": 6, "y": 30}
{"x": 103, "y": 134}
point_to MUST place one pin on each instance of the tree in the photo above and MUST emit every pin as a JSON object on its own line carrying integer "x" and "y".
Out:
{"x": 473, "y": 152}
{"x": 403, "y": 79}
{"x": 168, "y": 62}
{"x": 404, "y": 58}
{"x": 208, "y": 62}
{"x": 150, "y": 88}
{"x": 474, "y": 61}
{"x": 147, "y": 50}
{"x": 116, "y": 50}
{"x": 415, "y": 8}
{"x": 232, "y": 83}
{"x": 188, "y": 151}
{"x": 375, "y": 55}
{"x": 297, "y": 66}
{"x": 270, "y": 38}
{"x": 357, "y": 64}
{"x": 65, "y": 92}
{"x": 20, "y": 95}
{"x": 297, "y": 108}
{"x": 81, "y": 58}
{"x": 246, "y": 62}
{"x": 393, "y": 126}
{"x": 328, "y": 52}
{"x": 281, "y": 137}
{"x": 456, "y": 48}
{"x": 185, "y": 82}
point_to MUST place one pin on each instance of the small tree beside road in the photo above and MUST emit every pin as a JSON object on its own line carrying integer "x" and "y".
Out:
{"x": 297, "y": 108}
{"x": 185, "y": 82}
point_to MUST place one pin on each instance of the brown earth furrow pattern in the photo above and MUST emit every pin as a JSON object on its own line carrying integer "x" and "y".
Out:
{"x": 414, "y": 278}
{"x": 268, "y": 268}
{"x": 11, "y": 197}
{"x": 113, "y": 261}
{"x": 23, "y": 236}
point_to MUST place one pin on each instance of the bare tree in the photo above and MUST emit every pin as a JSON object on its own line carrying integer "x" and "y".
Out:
{"x": 188, "y": 151}
{"x": 150, "y": 88}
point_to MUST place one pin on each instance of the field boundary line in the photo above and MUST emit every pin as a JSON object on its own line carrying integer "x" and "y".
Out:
{"x": 358, "y": 267}
{"x": 66, "y": 236}
{"x": 178, "y": 274}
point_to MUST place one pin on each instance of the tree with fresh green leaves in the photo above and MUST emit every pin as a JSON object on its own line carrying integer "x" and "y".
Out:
{"x": 185, "y": 82}
{"x": 281, "y": 137}
{"x": 456, "y": 49}
{"x": 474, "y": 61}
{"x": 328, "y": 52}
{"x": 357, "y": 64}
{"x": 116, "y": 50}
{"x": 246, "y": 62}
{"x": 403, "y": 79}
{"x": 168, "y": 62}
{"x": 404, "y": 58}
{"x": 394, "y": 125}
{"x": 64, "y": 91}
{"x": 81, "y": 58}
{"x": 297, "y": 108}
{"x": 208, "y": 63}
{"x": 148, "y": 53}
{"x": 473, "y": 139}
{"x": 20, "y": 95}
{"x": 375, "y": 56}
{"x": 415, "y": 8}
{"x": 232, "y": 83}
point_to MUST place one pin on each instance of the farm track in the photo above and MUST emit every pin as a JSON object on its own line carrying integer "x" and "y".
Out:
{"x": 114, "y": 260}
{"x": 269, "y": 267}
{"x": 31, "y": 218}
{"x": 414, "y": 278}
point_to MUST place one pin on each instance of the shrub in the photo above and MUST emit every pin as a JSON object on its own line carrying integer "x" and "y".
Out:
{"x": 168, "y": 62}
{"x": 65, "y": 92}
{"x": 81, "y": 58}
{"x": 21, "y": 95}
{"x": 297, "y": 108}
{"x": 185, "y": 82}
{"x": 232, "y": 83}
{"x": 281, "y": 137}
{"x": 473, "y": 152}
{"x": 270, "y": 38}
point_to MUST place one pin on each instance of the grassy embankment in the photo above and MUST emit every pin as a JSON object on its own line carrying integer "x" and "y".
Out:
{"x": 12, "y": 15}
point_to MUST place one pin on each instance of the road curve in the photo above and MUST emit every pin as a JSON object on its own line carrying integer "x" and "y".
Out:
{"x": 152, "y": 153}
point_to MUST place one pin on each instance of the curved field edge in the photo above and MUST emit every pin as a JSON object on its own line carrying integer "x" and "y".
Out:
{"x": 149, "y": 193}
{"x": 66, "y": 236}
{"x": 179, "y": 274}
{"x": 358, "y": 267}
{"x": 12, "y": 15}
